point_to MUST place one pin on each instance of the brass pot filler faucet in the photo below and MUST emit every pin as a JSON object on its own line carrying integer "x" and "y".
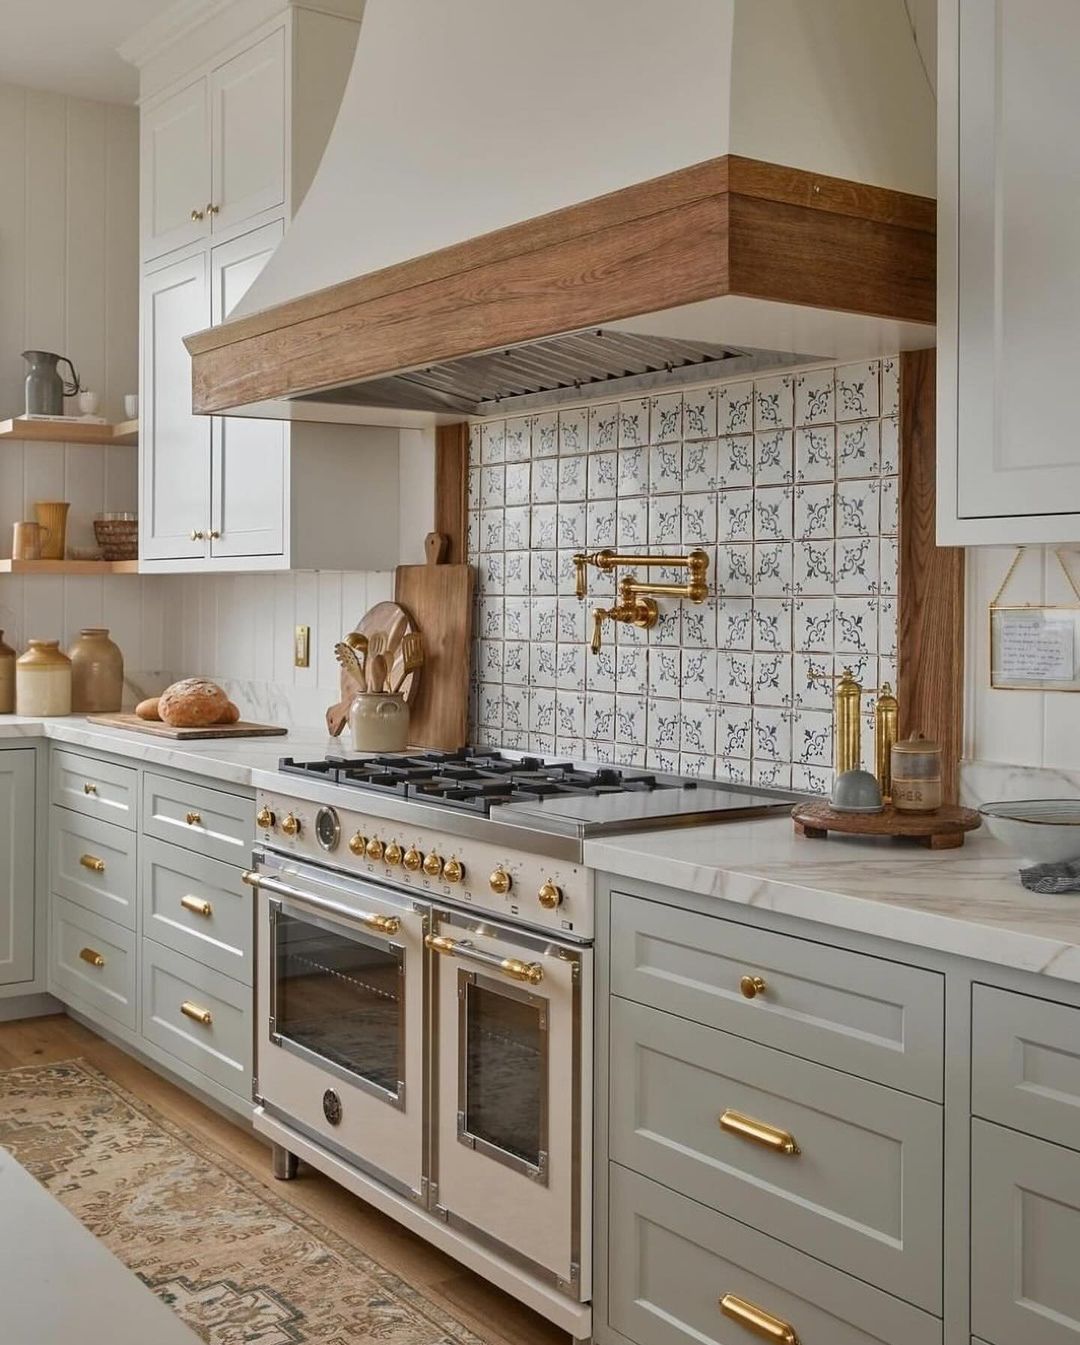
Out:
{"x": 635, "y": 606}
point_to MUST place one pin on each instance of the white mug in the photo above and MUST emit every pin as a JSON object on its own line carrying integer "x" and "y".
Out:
{"x": 131, "y": 406}
{"x": 88, "y": 403}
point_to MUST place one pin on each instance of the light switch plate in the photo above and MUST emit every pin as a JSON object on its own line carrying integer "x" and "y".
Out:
{"x": 302, "y": 647}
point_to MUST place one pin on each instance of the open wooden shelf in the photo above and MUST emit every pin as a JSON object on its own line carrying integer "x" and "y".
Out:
{"x": 71, "y": 431}
{"x": 69, "y": 567}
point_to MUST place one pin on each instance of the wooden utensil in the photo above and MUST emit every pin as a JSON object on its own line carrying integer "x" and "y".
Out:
{"x": 349, "y": 659}
{"x": 439, "y": 598}
{"x": 412, "y": 651}
{"x": 393, "y": 623}
{"x": 376, "y": 673}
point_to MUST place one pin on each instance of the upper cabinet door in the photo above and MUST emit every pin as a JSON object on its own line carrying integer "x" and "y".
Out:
{"x": 1009, "y": 310}
{"x": 174, "y": 445}
{"x": 247, "y": 96}
{"x": 249, "y": 457}
{"x": 175, "y": 168}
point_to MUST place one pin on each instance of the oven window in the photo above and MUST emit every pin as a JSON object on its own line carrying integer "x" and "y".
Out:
{"x": 505, "y": 1072}
{"x": 340, "y": 998}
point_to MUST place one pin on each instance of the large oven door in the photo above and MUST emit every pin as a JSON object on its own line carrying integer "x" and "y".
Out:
{"x": 341, "y": 1009}
{"x": 512, "y": 1120}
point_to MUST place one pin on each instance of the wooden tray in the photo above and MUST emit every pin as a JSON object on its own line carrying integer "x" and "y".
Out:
{"x": 943, "y": 830}
{"x": 156, "y": 730}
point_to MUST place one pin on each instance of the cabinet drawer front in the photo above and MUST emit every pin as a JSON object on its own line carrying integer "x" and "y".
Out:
{"x": 864, "y": 1187}
{"x": 92, "y": 959}
{"x": 206, "y": 820}
{"x": 198, "y": 1015}
{"x": 864, "y": 1015}
{"x": 93, "y": 864}
{"x": 1025, "y": 1064}
{"x": 97, "y": 788}
{"x": 672, "y": 1260}
{"x": 199, "y": 907}
{"x": 1025, "y": 1232}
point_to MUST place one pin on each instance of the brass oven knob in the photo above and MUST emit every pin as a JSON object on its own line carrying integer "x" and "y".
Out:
{"x": 265, "y": 818}
{"x": 453, "y": 870}
{"x": 414, "y": 860}
{"x": 500, "y": 882}
{"x": 291, "y": 825}
{"x": 392, "y": 854}
{"x": 752, "y": 986}
{"x": 550, "y": 896}
{"x": 433, "y": 865}
{"x": 375, "y": 849}
{"x": 357, "y": 843}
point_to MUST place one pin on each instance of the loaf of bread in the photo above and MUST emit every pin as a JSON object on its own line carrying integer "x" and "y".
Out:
{"x": 231, "y": 715}
{"x": 148, "y": 709}
{"x": 194, "y": 703}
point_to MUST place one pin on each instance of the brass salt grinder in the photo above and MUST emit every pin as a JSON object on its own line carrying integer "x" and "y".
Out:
{"x": 849, "y": 729}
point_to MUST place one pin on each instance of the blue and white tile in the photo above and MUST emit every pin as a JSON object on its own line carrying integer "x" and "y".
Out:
{"x": 517, "y": 528}
{"x": 600, "y": 669}
{"x": 665, "y": 468}
{"x": 697, "y": 730}
{"x": 518, "y": 439}
{"x": 813, "y": 625}
{"x": 889, "y": 462}
{"x": 490, "y": 616}
{"x": 735, "y": 408}
{"x": 665, "y": 520}
{"x": 663, "y": 725}
{"x": 699, "y": 466}
{"x": 666, "y": 418}
{"x": 734, "y": 731}
{"x": 545, "y": 435}
{"x": 888, "y": 610}
{"x": 545, "y": 481}
{"x": 570, "y": 749}
{"x": 772, "y": 734}
{"x": 773, "y": 514}
{"x": 664, "y": 673}
{"x": 633, "y": 464}
{"x": 812, "y": 681}
{"x": 668, "y": 628}
{"x": 857, "y": 565}
{"x": 633, "y": 522}
{"x": 518, "y": 483}
{"x": 631, "y": 669}
{"x": 814, "y": 397}
{"x": 572, "y": 530}
{"x": 515, "y": 709}
{"x": 889, "y": 568}
{"x": 491, "y": 530}
{"x": 573, "y": 479}
{"x": 772, "y": 679}
{"x": 735, "y": 461}
{"x": 603, "y": 427}
{"x": 516, "y": 576}
{"x": 516, "y": 665}
{"x": 699, "y": 625}
{"x": 657, "y": 759}
{"x": 814, "y": 511}
{"x": 517, "y": 618}
{"x": 631, "y": 720}
{"x": 566, "y": 571}
{"x": 634, "y": 422}
{"x": 603, "y": 475}
{"x": 735, "y": 623}
{"x": 472, "y": 533}
{"x": 573, "y": 431}
{"x": 699, "y": 674}
{"x": 490, "y": 705}
{"x": 856, "y": 626}
{"x": 599, "y": 751}
{"x": 773, "y": 569}
{"x": 857, "y": 396}
{"x": 543, "y": 665}
{"x": 774, "y": 460}
{"x": 857, "y": 508}
{"x": 490, "y": 573}
{"x": 699, "y": 520}
{"x": 772, "y": 625}
{"x": 492, "y": 486}
{"x": 735, "y": 570}
{"x": 774, "y": 403}
{"x": 543, "y": 744}
{"x": 815, "y": 453}
{"x": 771, "y": 774}
{"x": 735, "y": 515}
{"x": 600, "y": 716}
{"x": 735, "y": 677}
{"x": 572, "y": 617}
{"x": 699, "y": 413}
{"x": 473, "y": 490}
{"x": 601, "y": 524}
{"x": 811, "y": 780}
{"x": 570, "y": 666}
{"x": 814, "y": 568}
{"x": 493, "y": 441}
{"x": 695, "y": 766}
{"x": 569, "y": 714}
{"x": 858, "y": 449}
{"x": 543, "y": 573}
{"x": 890, "y": 386}
{"x": 890, "y": 505}
{"x": 732, "y": 770}
{"x": 812, "y": 738}
{"x": 544, "y": 530}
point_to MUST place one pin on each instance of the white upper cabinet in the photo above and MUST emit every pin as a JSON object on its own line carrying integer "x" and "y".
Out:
{"x": 247, "y": 101}
{"x": 175, "y": 181}
{"x": 1009, "y": 271}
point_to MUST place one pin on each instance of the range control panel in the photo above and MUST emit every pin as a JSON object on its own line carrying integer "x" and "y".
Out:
{"x": 438, "y": 866}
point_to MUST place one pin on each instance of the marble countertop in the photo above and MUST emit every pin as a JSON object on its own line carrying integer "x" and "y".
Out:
{"x": 966, "y": 901}
{"x": 230, "y": 760}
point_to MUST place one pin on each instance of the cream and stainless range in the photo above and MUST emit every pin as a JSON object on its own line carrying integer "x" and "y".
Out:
{"x": 425, "y": 930}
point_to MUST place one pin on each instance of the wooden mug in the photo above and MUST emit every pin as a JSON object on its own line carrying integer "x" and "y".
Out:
{"x": 52, "y": 515}
{"x": 27, "y": 540}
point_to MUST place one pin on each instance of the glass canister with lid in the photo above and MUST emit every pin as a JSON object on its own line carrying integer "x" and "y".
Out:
{"x": 916, "y": 775}
{"x": 43, "y": 681}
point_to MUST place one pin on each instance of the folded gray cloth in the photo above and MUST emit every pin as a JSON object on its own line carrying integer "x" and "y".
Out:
{"x": 1061, "y": 877}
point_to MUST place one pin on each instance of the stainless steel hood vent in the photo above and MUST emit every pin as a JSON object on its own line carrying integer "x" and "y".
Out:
{"x": 600, "y": 362}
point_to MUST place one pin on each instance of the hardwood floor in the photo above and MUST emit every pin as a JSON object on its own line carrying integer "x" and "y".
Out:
{"x": 487, "y": 1311}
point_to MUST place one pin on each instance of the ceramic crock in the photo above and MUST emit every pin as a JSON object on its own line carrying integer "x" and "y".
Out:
{"x": 379, "y": 722}
{"x": 43, "y": 681}
{"x": 97, "y": 673}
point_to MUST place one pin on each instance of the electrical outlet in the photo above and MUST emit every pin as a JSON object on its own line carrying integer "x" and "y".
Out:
{"x": 302, "y": 647}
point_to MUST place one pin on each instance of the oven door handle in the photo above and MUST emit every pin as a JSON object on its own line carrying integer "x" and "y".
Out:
{"x": 530, "y": 972}
{"x": 381, "y": 924}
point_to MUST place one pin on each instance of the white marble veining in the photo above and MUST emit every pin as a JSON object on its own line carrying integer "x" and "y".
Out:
{"x": 967, "y": 902}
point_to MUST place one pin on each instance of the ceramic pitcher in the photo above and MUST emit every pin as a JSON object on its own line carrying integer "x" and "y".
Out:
{"x": 45, "y": 389}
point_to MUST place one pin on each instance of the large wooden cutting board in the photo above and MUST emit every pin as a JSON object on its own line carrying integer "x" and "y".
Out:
{"x": 160, "y": 730}
{"x": 440, "y": 600}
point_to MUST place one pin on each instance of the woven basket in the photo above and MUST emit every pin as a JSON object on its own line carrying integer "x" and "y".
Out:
{"x": 118, "y": 538}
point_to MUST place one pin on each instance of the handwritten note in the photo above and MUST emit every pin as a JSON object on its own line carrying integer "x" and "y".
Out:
{"x": 1036, "y": 646}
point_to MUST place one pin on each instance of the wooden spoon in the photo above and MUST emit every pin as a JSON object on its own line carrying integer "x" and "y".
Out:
{"x": 376, "y": 672}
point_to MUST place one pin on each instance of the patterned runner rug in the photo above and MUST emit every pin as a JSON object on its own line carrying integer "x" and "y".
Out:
{"x": 240, "y": 1266}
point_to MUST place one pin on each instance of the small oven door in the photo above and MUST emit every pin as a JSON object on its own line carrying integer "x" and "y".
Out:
{"x": 512, "y": 1120}
{"x": 341, "y": 997}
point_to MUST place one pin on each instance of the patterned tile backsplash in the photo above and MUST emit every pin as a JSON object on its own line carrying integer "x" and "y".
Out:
{"x": 789, "y": 482}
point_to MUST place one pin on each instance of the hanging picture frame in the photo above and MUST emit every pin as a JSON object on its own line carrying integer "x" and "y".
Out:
{"x": 1034, "y": 646}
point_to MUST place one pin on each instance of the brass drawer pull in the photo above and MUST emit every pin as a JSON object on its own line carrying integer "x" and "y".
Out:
{"x": 92, "y": 956}
{"x": 197, "y": 906}
{"x": 759, "y": 1132}
{"x": 194, "y": 819}
{"x": 197, "y": 1015}
{"x": 757, "y": 1320}
{"x": 88, "y": 788}
{"x": 92, "y": 863}
{"x": 752, "y": 986}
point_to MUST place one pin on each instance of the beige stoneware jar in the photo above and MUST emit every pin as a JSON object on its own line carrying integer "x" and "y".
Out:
{"x": 97, "y": 673}
{"x": 43, "y": 681}
{"x": 7, "y": 678}
{"x": 379, "y": 722}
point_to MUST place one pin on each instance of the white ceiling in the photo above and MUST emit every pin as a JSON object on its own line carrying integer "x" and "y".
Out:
{"x": 69, "y": 46}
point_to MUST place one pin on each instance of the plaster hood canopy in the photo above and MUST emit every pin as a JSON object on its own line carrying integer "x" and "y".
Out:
{"x": 523, "y": 202}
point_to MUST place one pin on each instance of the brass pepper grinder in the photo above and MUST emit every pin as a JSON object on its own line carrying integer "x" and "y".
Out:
{"x": 848, "y": 723}
{"x": 886, "y": 715}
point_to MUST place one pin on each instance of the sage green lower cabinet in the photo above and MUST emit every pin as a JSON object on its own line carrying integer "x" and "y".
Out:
{"x": 1025, "y": 1250}
{"x": 200, "y": 907}
{"x": 92, "y": 963}
{"x": 672, "y": 1262}
{"x": 18, "y": 773}
{"x": 92, "y": 863}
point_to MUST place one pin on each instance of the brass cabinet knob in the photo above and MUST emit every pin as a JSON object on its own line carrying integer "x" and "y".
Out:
{"x": 212, "y": 209}
{"x": 752, "y": 986}
{"x": 193, "y": 819}
{"x": 291, "y": 825}
{"x": 88, "y": 788}
{"x": 414, "y": 860}
{"x": 453, "y": 871}
{"x": 265, "y": 818}
{"x": 500, "y": 882}
{"x": 197, "y": 535}
{"x": 393, "y": 854}
{"x": 550, "y": 896}
{"x": 357, "y": 843}
{"x": 196, "y": 216}
{"x": 374, "y": 849}
{"x": 433, "y": 865}
{"x": 214, "y": 534}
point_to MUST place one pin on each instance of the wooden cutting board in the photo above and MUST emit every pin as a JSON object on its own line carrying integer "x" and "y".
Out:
{"x": 440, "y": 599}
{"x": 158, "y": 730}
